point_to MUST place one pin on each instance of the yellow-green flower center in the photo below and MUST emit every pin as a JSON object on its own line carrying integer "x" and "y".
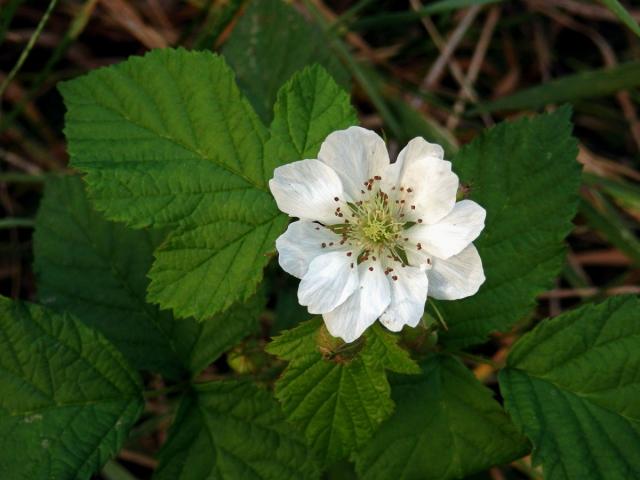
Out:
{"x": 376, "y": 223}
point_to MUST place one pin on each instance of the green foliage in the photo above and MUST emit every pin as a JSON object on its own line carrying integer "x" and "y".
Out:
{"x": 573, "y": 384}
{"x": 625, "y": 17}
{"x": 310, "y": 106}
{"x": 68, "y": 397}
{"x": 570, "y": 88}
{"x": 167, "y": 140}
{"x": 447, "y": 425}
{"x": 96, "y": 270}
{"x": 337, "y": 393}
{"x": 232, "y": 430}
{"x": 525, "y": 174}
{"x": 264, "y": 56}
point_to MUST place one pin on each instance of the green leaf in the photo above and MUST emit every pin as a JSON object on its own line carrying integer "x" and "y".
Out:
{"x": 68, "y": 396}
{"x": 232, "y": 430}
{"x": 525, "y": 174}
{"x": 167, "y": 140}
{"x": 310, "y": 106}
{"x": 264, "y": 57}
{"x": 97, "y": 269}
{"x": 594, "y": 83}
{"x": 447, "y": 425}
{"x": 573, "y": 384}
{"x": 382, "y": 345}
{"x": 625, "y": 17}
{"x": 338, "y": 393}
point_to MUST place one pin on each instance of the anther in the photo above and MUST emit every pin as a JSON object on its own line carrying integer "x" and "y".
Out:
{"x": 324, "y": 245}
{"x": 377, "y": 177}
{"x": 349, "y": 254}
{"x": 336, "y": 198}
{"x": 371, "y": 269}
{"x": 395, "y": 277}
{"x": 413, "y": 207}
{"x": 419, "y": 220}
{"x": 409, "y": 190}
{"x": 419, "y": 246}
{"x": 331, "y": 244}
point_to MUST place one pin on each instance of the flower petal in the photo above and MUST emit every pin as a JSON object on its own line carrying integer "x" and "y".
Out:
{"x": 453, "y": 233}
{"x": 408, "y": 296}
{"x": 357, "y": 155}
{"x": 307, "y": 189}
{"x": 420, "y": 148}
{"x": 423, "y": 181}
{"x": 457, "y": 277}
{"x": 301, "y": 243}
{"x": 328, "y": 282}
{"x": 362, "y": 309}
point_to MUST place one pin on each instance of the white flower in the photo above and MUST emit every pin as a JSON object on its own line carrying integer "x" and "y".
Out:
{"x": 374, "y": 237}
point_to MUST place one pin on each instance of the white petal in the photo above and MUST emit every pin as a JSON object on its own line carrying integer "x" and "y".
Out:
{"x": 408, "y": 296}
{"x": 328, "y": 282}
{"x": 453, "y": 233}
{"x": 301, "y": 243}
{"x": 416, "y": 148}
{"x": 457, "y": 277}
{"x": 362, "y": 309}
{"x": 419, "y": 147}
{"x": 307, "y": 189}
{"x": 357, "y": 155}
{"x": 431, "y": 187}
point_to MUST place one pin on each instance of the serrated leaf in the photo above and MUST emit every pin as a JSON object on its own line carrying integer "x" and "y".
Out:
{"x": 232, "y": 430}
{"x": 310, "y": 106}
{"x": 68, "y": 396}
{"x": 525, "y": 174}
{"x": 338, "y": 398}
{"x": 168, "y": 140}
{"x": 572, "y": 385}
{"x": 383, "y": 346}
{"x": 446, "y": 426}
{"x": 97, "y": 269}
{"x": 264, "y": 57}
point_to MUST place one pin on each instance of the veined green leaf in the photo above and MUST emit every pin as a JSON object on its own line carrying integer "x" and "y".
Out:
{"x": 573, "y": 384}
{"x": 337, "y": 393}
{"x": 233, "y": 430}
{"x": 97, "y": 269}
{"x": 446, "y": 425}
{"x": 167, "y": 140}
{"x": 68, "y": 396}
{"x": 310, "y": 106}
{"x": 525, "y": 174}
{"x": 264, "y": 57}
{"x": 595, "y": 83}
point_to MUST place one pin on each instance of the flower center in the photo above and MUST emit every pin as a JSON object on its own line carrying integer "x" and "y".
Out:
{"x": 376, "y": 223}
